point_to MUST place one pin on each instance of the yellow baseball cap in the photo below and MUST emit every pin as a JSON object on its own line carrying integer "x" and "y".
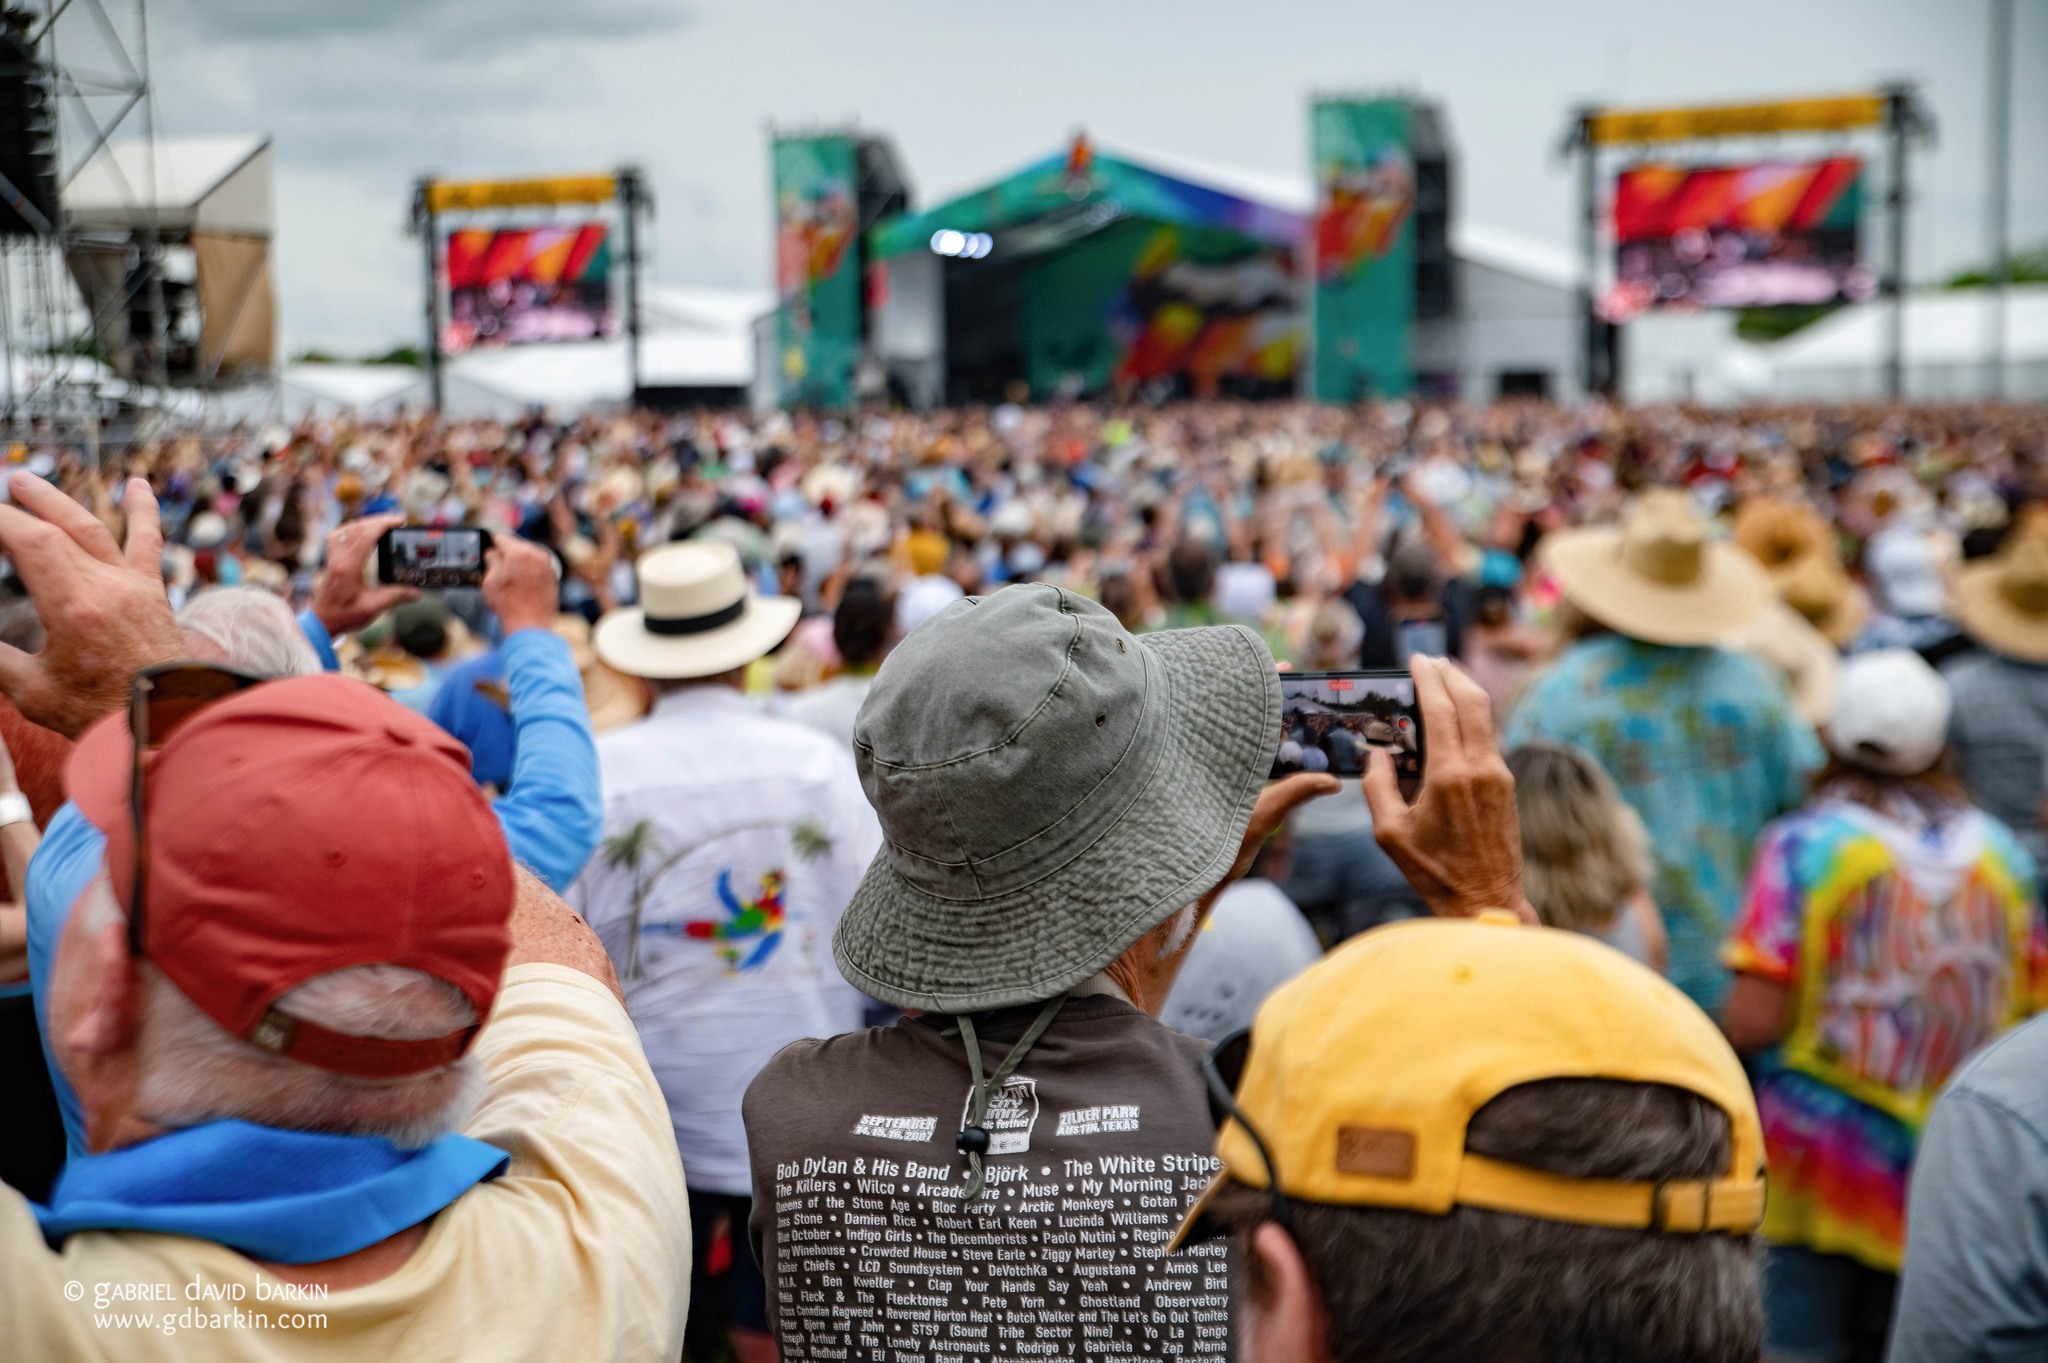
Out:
{"x": 1365, "y": 1070}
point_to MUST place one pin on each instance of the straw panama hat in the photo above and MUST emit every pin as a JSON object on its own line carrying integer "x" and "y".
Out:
{"x": 1657, "y": 578}
{"x": 696, "y": 617}
{"x": 2003, "y": 601}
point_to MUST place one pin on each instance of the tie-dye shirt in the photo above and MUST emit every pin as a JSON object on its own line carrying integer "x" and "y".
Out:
{"x": 1705, "y": 745}
{"x": 1907, "y": 942}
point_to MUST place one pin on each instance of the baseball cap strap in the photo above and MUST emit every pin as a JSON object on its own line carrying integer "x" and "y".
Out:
{"x": 1681, "y": 1206}
{"x": 366, "y": 1057}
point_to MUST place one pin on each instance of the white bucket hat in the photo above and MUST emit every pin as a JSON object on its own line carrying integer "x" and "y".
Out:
{"x": 696, "y": 617}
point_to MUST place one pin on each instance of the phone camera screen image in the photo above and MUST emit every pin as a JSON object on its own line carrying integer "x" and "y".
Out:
{"x": 1329, "y": 721}
{"x": 422, "y": 557}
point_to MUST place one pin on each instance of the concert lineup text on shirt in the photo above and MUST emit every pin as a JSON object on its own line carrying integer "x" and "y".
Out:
{"x": 1058, "y": 1258}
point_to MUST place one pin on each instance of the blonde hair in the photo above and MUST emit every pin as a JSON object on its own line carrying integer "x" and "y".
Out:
{"x": 1584, "y": 851}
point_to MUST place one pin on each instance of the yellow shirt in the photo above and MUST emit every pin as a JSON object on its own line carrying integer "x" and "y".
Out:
{"x": 581, "y": 1250}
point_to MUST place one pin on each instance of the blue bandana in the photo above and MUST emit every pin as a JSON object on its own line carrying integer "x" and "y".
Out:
{"x": 288, "y": 1197}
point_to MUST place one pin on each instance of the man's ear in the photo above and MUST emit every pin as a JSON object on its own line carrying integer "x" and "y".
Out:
{"x": 1286, "y": 1322}
{"x": 107, "y": 1014}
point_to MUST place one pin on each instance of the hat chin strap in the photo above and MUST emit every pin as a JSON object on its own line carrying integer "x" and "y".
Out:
{"x": 974, "y": 1140}
{"x": 1678, "y": 1206}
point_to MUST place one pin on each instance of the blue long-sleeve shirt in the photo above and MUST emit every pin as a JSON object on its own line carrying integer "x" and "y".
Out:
{"x": 552, "y": 818}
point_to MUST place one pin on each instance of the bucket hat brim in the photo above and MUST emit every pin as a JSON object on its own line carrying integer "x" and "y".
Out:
{"x": 623, "y": 640}
{"x": 1993, "y": 621}
{"x": 1172, "y": 845}
{"x": 1731, "y": 591}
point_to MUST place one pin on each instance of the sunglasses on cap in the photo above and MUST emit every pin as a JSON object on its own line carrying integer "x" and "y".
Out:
{"x": 163, "y": 700}
{"x": 1222, "y": 1071}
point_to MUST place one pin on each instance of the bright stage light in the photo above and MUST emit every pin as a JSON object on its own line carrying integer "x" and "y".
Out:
{"x": 966, "y": 245}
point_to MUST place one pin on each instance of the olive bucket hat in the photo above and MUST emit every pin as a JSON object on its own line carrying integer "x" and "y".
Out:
{"x": 1051, "y": 788}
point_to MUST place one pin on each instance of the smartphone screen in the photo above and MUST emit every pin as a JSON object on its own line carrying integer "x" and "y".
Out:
{"x": 425, "y": 556}
{"x": 1328, "y": 721}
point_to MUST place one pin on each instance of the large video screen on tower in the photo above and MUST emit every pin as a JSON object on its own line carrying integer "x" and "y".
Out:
{"x": 513, "y": 286}
{"x": 1756, "y": 235}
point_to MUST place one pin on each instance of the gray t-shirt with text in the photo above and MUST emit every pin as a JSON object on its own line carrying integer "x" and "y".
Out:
{"x": 1098, "y": 1144}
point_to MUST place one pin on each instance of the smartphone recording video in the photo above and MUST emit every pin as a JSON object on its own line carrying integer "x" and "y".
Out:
{"x": 1328, "y": 721}
{"x": 424, "y": 556}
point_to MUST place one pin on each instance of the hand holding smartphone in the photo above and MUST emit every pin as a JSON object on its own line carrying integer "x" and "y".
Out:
{"x": 430, "y": 556}
{"x": 1329, "y": 721}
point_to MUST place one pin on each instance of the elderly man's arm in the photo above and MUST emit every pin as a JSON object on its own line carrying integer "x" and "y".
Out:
{"x": 545, "y": 931}
{"x": 554, "y": 814}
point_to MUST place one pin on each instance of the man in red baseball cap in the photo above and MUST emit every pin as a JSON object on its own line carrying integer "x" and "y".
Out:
{"x": 304, "y": 1140}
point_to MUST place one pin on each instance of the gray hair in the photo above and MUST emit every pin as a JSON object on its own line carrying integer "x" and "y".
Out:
{"x": 193, "y": 1071}
{"x": 249, "y": 628}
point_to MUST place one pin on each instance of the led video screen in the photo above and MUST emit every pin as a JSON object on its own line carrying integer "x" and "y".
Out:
{"x": 1757, "y": 235}
{"x": 514, "y": 286}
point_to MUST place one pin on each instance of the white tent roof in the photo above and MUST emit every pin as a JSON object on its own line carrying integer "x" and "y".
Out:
{"x": 697, "y": 308}
{"x": 219, "y": 184}
{"x": 363, "y": 388}
{"x": 573, "y": 376}
{"x": 1514, "y": 253}
{"x": 1945, "y": 327}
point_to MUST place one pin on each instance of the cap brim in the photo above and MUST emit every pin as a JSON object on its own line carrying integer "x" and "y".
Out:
{"x": 1173, "y": 844}
{"x": 623, "y": 640}
{"x": 100, "y": 773}
{"x": 1731, "y": 591}
{"x": 1995, "y": 622}
{"x": 1196, "y": 1226}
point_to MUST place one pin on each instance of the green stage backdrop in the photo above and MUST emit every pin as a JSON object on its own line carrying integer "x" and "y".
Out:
{"x": 1364, "y": 244}
{"x": 817, "y": 271}
{"x": 1142, "y": 302}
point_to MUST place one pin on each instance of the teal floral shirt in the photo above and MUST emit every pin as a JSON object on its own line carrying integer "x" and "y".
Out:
{"x": 1705, "y": 745}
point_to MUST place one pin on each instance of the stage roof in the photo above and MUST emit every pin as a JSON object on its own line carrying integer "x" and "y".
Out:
{"x": 1058, "y": 200}
{"x": 204, "y": 184}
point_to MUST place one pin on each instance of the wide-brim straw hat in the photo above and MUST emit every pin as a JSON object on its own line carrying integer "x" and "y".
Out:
{"x": 1657, "y": 577}
{"x": 613, "y": 698}
{"x": 2003, "y": 601}
{"x": 1818, "y": 588}
{"x": 697, "y": 616}
{"x": 1796, "y": 547}
{"x": 1050, "y": 788}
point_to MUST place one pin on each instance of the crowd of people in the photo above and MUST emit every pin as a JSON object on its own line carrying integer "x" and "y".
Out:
{"x": 823, "y": 893}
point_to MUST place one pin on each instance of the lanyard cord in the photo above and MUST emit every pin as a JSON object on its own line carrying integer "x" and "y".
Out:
{"x": 975, "y": 1140}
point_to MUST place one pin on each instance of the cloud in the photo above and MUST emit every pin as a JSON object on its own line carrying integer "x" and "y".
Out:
{"x": 433, "y": 27}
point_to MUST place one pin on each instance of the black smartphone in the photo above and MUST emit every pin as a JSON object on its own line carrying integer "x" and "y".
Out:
{"x": 429, "y": 556}
{"x": 1329, "y": 719}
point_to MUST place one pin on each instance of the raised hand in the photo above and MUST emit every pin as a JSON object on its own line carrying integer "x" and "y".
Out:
{"x": 104, "y": 613}
{"x": 1459, "y": 844}
{"x": 343, "y": 599}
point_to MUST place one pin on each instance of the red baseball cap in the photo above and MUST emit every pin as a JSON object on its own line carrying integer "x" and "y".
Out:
{"x": 303, "y": 826}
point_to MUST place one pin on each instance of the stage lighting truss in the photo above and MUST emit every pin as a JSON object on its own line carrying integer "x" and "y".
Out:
{"x": 963, "y": 245}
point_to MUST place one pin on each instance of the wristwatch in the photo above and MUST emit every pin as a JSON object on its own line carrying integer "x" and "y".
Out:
{"x": 14, "y": 809}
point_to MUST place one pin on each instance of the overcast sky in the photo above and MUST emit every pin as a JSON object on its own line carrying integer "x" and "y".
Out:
{"x": 362, "y": 96}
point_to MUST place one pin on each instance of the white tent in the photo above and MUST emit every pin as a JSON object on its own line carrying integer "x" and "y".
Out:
{"x": 691, "y": 338}
{"x": 1947, "y": 336}
{"x": 372, "y": 391}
